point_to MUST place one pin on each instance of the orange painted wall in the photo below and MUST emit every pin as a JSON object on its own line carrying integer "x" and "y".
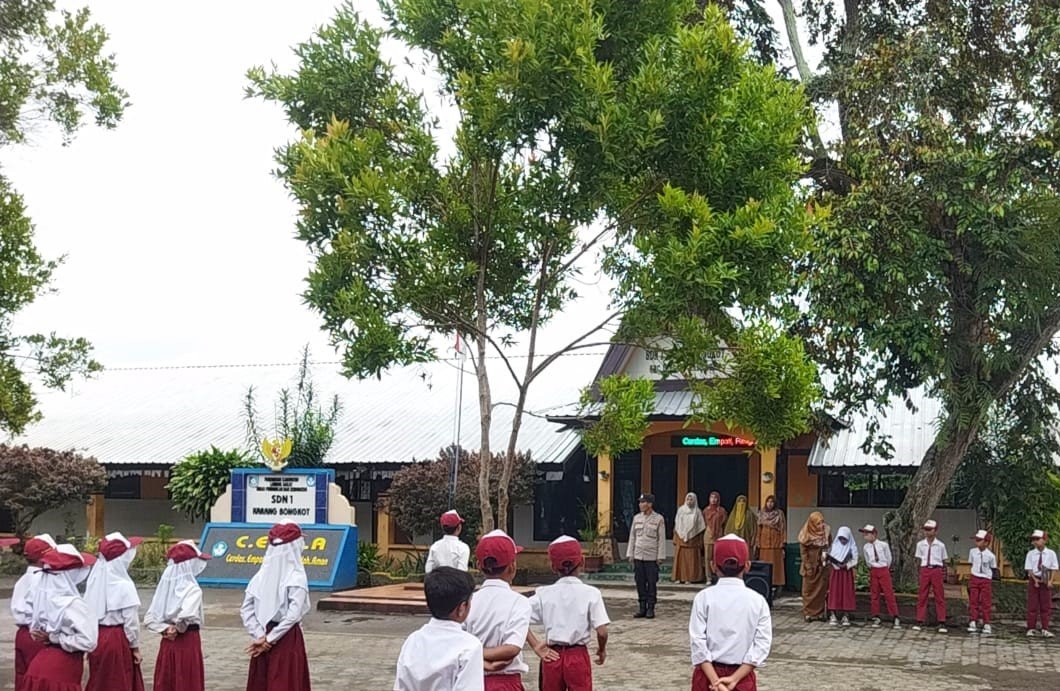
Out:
{"x": 802, "y": 486}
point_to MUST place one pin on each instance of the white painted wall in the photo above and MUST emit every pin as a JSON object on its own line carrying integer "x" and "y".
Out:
{"x": 139, "y": 517}
{"x": 959, "y": 522}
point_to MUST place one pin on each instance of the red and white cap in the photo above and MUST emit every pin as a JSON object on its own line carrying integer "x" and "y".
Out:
{"x": 1039, "y": 535}
{"x": 565, "y": 552}
{"x": 731, "y": 548}
{"x": 284, "y": 532}
{"x": 930, "y": 524}
{"x": 115, "y": 544}
{"x": 185, "y": 550}
{"x": 496, "y": 546}
{"x": 983, "y": 535}
{"x": 450, "y": 519}
{"x": 37, "y": 547}
{"x": 867, "y": 529}
{"x": 66, "y": 557}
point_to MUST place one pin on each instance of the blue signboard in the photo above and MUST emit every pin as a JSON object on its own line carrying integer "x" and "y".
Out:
{"x": 260, "y": 495}
{"x": 330, "y": 555}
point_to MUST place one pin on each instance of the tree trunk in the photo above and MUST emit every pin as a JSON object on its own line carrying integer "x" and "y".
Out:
{"x": 927, "y": 487}
{"x": 508, "y": 464}
{"x": 485, "y": 411}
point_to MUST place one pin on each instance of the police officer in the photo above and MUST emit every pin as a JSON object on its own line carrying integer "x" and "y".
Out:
{"x": 646, "y": 550}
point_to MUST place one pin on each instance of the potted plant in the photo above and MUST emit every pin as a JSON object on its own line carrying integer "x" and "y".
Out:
{"x": 590, "y": 537}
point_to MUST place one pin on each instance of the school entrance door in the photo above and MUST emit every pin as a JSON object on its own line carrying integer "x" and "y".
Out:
{"x": 722, "y": 473}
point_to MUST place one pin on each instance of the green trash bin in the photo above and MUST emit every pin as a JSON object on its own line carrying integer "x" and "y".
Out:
{"x": 792, "y": 566}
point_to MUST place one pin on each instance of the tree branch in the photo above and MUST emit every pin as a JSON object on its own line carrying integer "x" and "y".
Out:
{"x": 1027, "y": 346}
{"x": 576, "y": 344}
{"x": 805, "y": 75}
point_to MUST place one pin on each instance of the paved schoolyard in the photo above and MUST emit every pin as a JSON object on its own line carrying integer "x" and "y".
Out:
{"x": 354, "y": 653}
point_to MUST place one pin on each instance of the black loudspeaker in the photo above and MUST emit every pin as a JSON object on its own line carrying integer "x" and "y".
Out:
{"x": 759, "y": 578}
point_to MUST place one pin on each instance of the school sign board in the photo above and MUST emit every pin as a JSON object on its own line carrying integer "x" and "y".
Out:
{"x": 261, "y": 497}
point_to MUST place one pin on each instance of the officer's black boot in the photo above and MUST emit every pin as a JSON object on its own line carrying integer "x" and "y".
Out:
{"x": 642, "y": 612}
{"x": 651, "y": 611}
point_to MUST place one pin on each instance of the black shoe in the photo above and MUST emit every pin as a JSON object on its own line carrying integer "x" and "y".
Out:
{"x": 651, "y": 613}
{"x": 642, "y": 612}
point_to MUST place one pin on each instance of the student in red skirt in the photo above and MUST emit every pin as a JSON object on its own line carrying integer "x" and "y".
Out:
{"x": 22, "y": 604}
{"x": 62, "y": 620}
{"x": 176, "y": 614}
{"x": 843, "y": 558}
{"x": 112, "y": 598}
{"x": 571, "y": 612}
{"x": 276, "y": 600}
{"x": 499, "y": 617}
{"x": 731, "y": 628}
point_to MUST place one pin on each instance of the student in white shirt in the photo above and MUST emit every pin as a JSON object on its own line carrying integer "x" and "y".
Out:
{"x": 61, "y": 618}
{"x": 112, "y": 598}
{"x": 843, "y": 559}
{"x": 1040, "y": 565}
{"x": 276, "y": 600}
{"x": 931, "y": 555}
{"x": 570, "y": 612}
{"x": 450, "y": 550}
{"x": 22, "y": 603}
{"x": 441, "y": 656}
{"x": 500, "y": 617}
{"x": 879, "y": 559}
{"x": 731, "y": 629}
{"x": 981, "y": 585}
{"x": 175, "y": 614}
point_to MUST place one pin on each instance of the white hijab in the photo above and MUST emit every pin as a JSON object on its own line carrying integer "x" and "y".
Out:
{"x": 178, "y": 595}
{"x": 689, "y": 521}
{"x": 281, "y": 569}
{"x": 25, "y": 587}
{"x": 840, "y": 552}
{"x": 55, "y": 592}
{"x": 110, "y": 588}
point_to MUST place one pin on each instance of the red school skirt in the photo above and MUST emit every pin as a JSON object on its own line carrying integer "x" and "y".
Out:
{"x": 179, "y": 664}
{"x": 701, "y": 683}
{"x": 284, "y": 667}
{"x": 54, "y": 669}
{"x": 110, "y": 665}
{"x": 25, "y": 650}
{"x": 841, "y": 596}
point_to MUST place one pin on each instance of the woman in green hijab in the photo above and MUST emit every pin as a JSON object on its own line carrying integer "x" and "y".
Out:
{"x": 742, "y": 523}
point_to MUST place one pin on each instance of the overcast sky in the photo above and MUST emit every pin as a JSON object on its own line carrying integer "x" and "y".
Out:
{"x": 178, "y": 240}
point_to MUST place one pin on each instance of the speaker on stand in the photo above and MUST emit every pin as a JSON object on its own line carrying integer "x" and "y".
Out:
{"x": 759, "y": 578}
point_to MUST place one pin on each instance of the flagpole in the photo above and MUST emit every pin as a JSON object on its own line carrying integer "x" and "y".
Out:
{"x": 456, "y": 427}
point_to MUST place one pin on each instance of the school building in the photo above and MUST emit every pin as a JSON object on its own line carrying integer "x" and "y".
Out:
{"x": 139, "y": 422}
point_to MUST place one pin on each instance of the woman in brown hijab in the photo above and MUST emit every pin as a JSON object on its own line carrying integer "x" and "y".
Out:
{"x": 772, "y": 532}
{"x": 814, "y": 540}
{"x": 714, "y": 516}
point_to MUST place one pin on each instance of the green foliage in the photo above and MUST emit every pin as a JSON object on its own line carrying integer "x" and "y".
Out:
{"x": 623, "y": 415}
{"x": 588, "y": 531}
{"x": 52, "y": 68}
{"x": 35, "y": 480}
{"x": 419, "y": 493}
{"x": 368, "y": 557}
{"x": 199, "y": 480}
{"x": 298, "y": 417}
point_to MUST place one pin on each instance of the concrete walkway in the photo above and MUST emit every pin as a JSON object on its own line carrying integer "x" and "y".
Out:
{"x": 358, "y": 652}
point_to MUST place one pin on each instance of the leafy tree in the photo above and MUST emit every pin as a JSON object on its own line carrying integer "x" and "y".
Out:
{"x": 585, "y": 129}
{"x": 419, "y": 493}
{"x": 52, "y": 68}
{"x": 940, "y": 266}
{"x": 196, "y": 483}
{"x": 298, "y": 417}
{"x": 35, "y": 480}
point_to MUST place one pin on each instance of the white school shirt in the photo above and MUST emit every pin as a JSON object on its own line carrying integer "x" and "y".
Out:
{"x": 22, "y": 597}
{"x": 880, "y": 558}
{"x": 933, "y": 555}
{"x": 449, "y": 551}
{"x": 730, "y": 625}
{"x": 500, "y": 616}
{"x": 440, "y": 656}
{"x": 297, "y": 605}
{"x": 569, "y": 610}
{"x": 79, "y": 631}
{"x": 1048, "y": 560}
{"x": 128, "y": 619}
{"x": 983, "y": 562}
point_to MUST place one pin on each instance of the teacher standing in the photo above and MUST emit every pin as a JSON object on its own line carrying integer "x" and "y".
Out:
{"x": 814, "y": 540}
{"x": 714, "y": 516}
{"x": 689, "y": 528}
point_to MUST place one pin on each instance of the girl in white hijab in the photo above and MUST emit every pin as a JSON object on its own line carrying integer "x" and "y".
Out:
{"x": 176, "y": 614}
{"x": 276, "y": 600}
{"x": 689, "y": 531}
{"x": 22, "y": 604}
{"x": 112, "y": 598}
{"x": 61, "y": 618}
{"x": 843, "y": 557}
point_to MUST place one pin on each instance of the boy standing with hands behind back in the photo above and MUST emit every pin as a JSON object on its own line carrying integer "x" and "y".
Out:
{"x": 1040, "y": 566}
{"x": 981, "y": 585}
{"x": 878, "y": 557}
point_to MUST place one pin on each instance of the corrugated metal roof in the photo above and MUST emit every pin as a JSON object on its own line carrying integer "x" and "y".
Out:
{"x": 667, "y": 404}
{"x": 910, "y": 433}
{"x": 158, "y": 416}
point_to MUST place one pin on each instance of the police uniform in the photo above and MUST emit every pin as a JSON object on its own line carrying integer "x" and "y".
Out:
{"x": 647, "y": 547}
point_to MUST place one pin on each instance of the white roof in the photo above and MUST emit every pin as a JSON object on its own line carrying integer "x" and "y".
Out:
{"x": 157, "y": 416}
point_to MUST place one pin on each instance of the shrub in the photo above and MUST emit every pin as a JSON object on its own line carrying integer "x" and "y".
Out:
{"x": 35, "y": 480}
{"x": 199, "y": 480}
